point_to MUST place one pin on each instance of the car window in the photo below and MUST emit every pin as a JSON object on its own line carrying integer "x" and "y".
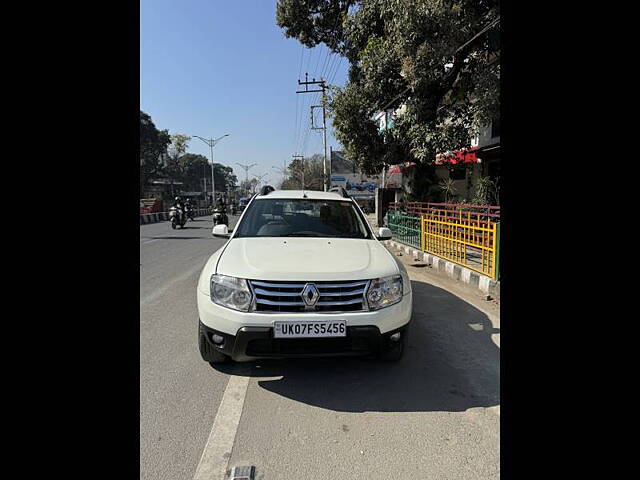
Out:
{"x": 277, "y": 217}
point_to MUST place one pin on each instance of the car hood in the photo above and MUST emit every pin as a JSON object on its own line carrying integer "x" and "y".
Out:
{"x": 315, "y": 259}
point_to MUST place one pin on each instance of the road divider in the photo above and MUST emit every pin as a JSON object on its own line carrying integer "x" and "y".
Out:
{"x": 164, "y": 216}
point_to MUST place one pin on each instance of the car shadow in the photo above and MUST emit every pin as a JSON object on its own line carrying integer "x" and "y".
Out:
{"x": 450, "y": 364}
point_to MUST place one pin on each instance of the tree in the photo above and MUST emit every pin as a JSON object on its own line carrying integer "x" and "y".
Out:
{"x": 313, "y": 174}
{"x": 194, "y": 168}
{"x": 438, "y": 58}
{"x": 153, "y": 145}
{"x": 224, "y": 177}
{"x": 177, "y": 148}
{"x": 248, "y": 187}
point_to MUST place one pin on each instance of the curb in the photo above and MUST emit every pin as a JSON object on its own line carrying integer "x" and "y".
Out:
{"x": 459, "y": 273}
{"x": 164, "y": 216}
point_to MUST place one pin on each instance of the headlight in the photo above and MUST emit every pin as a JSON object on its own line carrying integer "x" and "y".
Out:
{"x": 231, "y": 292}
{"x": 384, "y": 292}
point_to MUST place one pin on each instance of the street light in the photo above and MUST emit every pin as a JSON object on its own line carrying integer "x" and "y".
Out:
{"x": 212, "y": 143}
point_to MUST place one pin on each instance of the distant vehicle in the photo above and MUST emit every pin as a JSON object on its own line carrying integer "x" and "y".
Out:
{"x": 371, "y": 186}
{"x": 242, "y": 204}
{"x": 302, "y": 274}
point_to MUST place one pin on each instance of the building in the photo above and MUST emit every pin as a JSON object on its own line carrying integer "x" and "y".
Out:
{"x": 482, "y": 159}
{"x": 359, "y": 186}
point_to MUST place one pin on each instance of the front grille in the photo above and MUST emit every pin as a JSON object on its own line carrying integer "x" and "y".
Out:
{"x": 347, "y": 296}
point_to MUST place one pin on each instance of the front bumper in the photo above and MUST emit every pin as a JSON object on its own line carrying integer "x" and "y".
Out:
{"x": 249, "y": 335}
{"x": 230, "y": 321}
{"x": 251, "y": 343}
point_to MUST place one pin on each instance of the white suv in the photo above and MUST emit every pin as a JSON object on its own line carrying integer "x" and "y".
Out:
{"x": 302, "y": 275}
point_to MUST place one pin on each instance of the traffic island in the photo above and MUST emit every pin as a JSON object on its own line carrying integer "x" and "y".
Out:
{"x": 474, "y": 280}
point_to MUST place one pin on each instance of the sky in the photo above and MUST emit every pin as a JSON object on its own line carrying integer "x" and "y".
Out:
{"x": 212, "y": 67}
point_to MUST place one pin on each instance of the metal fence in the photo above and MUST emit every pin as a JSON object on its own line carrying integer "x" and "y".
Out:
{"x": 466, "y": 239}
{"x": 468, "y": 235}
{"x": 405, "y": 228}
{"x": 486, "y": 212}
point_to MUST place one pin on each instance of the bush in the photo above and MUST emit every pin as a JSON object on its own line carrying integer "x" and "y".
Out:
{"x": 486, "y": 192}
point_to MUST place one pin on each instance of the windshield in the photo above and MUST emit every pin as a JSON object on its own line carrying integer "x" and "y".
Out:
{"x": 294, "y": 217}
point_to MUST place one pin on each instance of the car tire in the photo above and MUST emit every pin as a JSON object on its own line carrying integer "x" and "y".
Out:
{"x": 208, "y": 352}
{"x": 394, "y": 353}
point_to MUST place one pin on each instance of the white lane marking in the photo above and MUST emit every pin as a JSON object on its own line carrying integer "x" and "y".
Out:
{"x": 181, "y": 278}
{"x": 151, "y": 241}
{"x": 217, "y": 452}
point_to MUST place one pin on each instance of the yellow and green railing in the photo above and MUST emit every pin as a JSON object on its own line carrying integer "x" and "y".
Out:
{"x": 470, "y": 239}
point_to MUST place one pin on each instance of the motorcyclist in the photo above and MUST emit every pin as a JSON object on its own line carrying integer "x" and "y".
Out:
{"x": 188, "y": 208}
{"x": 220, "y": 203}
{"x": 221, "y": 208}
{"x": 179, "y": 204}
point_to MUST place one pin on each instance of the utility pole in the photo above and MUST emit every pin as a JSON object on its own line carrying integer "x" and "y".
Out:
{"x": 323, "y": 87}
{"x": 212, "y": 143}
{"x": 246, "y": 171}
{"x": 301, "y": 157}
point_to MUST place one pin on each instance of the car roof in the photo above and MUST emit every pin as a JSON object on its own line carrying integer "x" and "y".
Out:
{"x": 303, "y": 194}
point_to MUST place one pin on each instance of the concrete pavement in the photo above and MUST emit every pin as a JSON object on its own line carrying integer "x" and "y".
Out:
{"x": 434, "y": 414}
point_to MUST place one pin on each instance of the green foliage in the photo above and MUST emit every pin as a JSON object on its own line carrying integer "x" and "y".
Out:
{"x": 486, "y": 192}
{"x": 173, "y": 168}
{"x": 447, "y": 189}
{"x": 422, "y": 53}
{"x": 162, "y": 154}
{"x": 224, "y": 176}
{"x": 313, "y": 174}
{"x": 153, "y": 146}
{"x": 314, "y": 21}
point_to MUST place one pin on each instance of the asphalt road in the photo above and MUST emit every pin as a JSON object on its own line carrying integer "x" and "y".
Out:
{"x": 433, "y": 415}
{"x": 179, "y": 393}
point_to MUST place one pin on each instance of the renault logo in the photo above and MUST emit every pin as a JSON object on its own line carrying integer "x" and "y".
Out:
{"x": 310, "y": 294}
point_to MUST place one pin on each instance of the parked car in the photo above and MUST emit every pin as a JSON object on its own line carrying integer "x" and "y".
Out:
{"x": 302, "y": 274}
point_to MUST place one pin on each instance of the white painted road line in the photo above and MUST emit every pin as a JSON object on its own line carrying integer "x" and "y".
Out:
{"x": 217, "y": 452}
{"x": 185, "y": 276}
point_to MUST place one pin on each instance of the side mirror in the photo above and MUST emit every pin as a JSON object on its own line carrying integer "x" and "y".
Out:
{"x": 221, "y": 230}
{"x": 384, "y": 233}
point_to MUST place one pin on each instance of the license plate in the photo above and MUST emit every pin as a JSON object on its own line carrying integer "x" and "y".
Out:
{"x": 334, "y": 328}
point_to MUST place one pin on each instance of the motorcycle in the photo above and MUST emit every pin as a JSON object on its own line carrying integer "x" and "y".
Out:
{"x": 220, "y": 217}
{"x": 177, "y": 217}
